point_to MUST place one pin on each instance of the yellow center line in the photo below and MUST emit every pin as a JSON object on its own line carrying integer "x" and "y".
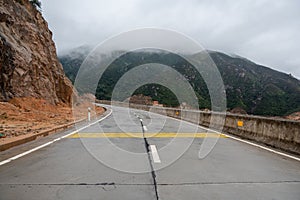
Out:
{"x": 148, "y": 135}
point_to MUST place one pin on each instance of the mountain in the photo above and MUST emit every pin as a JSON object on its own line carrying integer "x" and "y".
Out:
{"x": 28, "y": 61}
{"x": 71, "y": 60}
{"x": 254, "y": 88}
{"x": 258, "y": 89}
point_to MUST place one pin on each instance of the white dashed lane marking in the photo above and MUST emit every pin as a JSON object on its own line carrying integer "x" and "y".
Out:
{"x": 154, "y": 154}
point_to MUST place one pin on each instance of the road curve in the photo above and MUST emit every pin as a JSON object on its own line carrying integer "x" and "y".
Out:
{"x": 138, "y": 155}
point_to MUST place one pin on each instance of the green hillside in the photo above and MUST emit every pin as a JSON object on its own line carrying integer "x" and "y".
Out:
{"x": 257, "y": 89}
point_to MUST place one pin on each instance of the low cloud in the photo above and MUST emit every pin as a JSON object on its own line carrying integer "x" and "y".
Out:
{"x": 264, "y": 31}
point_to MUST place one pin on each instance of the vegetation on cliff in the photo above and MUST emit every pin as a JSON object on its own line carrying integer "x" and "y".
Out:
{"x": 254, "y": 88}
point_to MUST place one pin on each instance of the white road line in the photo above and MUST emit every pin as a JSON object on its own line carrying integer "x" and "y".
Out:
{"x": 154, "y": 154}
{"x": 263, "y": 147}
{"x": 145, "y": 128}
{"x": 48, "y": 143}
{"x": 244, "y": 141}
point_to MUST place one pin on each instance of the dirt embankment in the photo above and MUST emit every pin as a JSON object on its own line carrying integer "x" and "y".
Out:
{"x": 22, "y": 116}
{"x": 294, "y": 116}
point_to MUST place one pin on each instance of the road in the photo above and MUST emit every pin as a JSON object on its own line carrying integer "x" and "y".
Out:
{"x": 113, "y": 159}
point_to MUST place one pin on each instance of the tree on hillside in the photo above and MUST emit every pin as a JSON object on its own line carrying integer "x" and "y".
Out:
{"x": 36, "y": 3}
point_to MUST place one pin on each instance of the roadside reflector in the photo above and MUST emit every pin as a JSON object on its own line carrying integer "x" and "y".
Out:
{"x": 240, "y": 123}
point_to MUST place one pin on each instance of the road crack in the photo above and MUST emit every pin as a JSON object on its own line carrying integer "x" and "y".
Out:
{"x": 153, "y": 174}
{"x": 148, "y": 184}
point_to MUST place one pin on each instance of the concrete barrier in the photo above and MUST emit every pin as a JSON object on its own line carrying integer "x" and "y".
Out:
{"x": 28, "y": 138}
{"x": 278, "y": 133}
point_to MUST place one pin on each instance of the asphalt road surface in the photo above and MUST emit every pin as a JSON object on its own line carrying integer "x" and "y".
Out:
{"x": 137, "y": 155}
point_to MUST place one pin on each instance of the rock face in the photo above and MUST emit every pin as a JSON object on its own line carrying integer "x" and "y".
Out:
{"x": 28, "y": 60}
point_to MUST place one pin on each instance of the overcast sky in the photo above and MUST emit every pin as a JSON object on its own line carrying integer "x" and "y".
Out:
{"x": 264, "y": 31}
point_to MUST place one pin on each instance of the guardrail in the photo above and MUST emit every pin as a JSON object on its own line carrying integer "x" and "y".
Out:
{"x": 279, "y": 133}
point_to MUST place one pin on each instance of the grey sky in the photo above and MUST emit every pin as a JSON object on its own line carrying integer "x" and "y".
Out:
{"x": 264, "y": 31}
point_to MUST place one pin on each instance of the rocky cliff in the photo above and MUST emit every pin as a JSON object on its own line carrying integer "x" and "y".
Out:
{"x": 28, "y": 60}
